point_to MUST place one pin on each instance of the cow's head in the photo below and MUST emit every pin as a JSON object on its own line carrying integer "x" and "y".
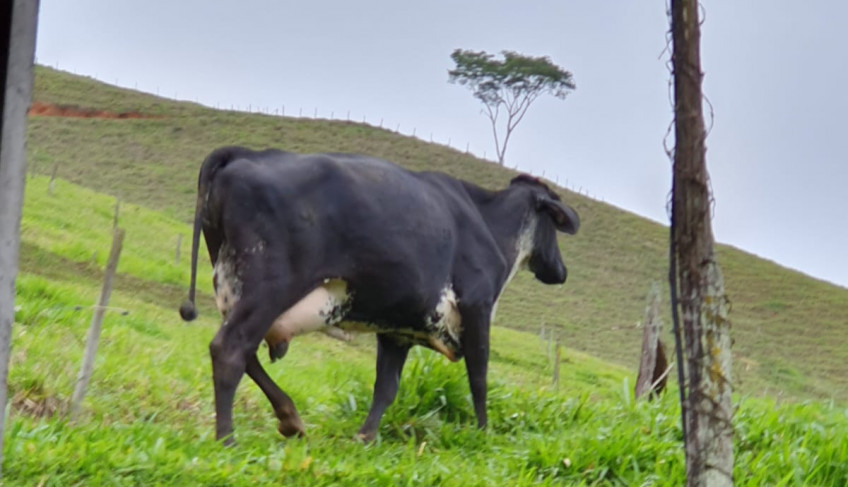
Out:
{"x": 551, "y": 215}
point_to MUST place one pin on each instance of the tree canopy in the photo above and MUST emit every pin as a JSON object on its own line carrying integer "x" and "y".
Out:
{"x": 510, "y": 84}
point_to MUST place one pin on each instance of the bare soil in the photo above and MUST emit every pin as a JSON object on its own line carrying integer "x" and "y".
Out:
{"x": 53, "y": 110}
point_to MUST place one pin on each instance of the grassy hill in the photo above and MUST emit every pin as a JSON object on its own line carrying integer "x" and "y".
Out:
{"x": 790, "y": 331}
{"x": 148, "y": 417}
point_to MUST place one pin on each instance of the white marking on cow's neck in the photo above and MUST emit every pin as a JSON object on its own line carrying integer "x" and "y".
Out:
{"x": 523, "y": 248}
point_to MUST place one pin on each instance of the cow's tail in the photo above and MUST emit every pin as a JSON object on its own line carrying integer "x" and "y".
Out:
{"x": 187, "y": 310}
{"x": 210, "y": 167}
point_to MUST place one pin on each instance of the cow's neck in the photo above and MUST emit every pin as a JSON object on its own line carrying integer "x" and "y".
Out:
{"x": 507, "y": 214}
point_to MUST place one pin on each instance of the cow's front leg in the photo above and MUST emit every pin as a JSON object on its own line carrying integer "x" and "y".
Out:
{"x": 391, "y": 356}
{"x": 475, "y": 345}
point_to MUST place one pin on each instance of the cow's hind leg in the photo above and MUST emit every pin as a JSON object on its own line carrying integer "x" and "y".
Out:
{"x": 391, "y": 356}
{"x": 290, "y": 423}
{"x": 235, "y": 343}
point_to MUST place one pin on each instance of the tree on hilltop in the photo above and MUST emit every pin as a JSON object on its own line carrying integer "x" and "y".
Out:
{"x": 510, "y": 85}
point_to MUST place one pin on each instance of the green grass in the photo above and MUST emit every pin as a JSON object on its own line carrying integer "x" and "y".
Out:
{"x": 148, "y": 420}
{"x": 148, "y": 417}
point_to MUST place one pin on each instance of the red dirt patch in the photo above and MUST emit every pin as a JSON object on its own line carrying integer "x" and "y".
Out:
{"x": 52, "y": 110}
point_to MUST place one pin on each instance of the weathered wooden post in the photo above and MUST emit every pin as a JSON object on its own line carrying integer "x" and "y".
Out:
{"x": 117, "y": 212}
{"x": 93, "y": 336}
{"x": 52, "y": 178}
{"x": 177, "y": 251}
{"x": 18, "y": 22}
{"x": 557, "y": 358}
{"x": 653, "y": 364}
{"x": 697, "y": 287}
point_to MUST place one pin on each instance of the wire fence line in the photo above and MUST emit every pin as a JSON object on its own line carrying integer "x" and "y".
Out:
{"x": 316, "y": 114}
{"x": 289, "y": 111}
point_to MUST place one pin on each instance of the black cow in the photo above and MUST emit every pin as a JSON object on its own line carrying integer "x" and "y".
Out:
{"x": 342, "y": 243}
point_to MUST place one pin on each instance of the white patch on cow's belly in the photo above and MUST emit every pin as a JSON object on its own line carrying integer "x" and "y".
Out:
{"x": 442, "y": 328}
{"x": 441, "y": 331}
{"x": 326, "y": 306}
{"x": 523, "y": 248}
{"x": 322, "y": 308}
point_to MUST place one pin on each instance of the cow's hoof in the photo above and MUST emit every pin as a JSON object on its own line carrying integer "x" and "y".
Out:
{"x": 366, "y": 437}
{"x": 228, "y": 441}
{"x": 291, "y": 428}
{"x": 279, "y": 350}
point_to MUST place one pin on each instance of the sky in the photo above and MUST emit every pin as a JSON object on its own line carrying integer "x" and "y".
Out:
{"x": 776, "y": 73}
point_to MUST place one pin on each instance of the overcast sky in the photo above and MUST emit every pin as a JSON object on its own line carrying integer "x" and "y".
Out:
{"x": 776, "y": 73}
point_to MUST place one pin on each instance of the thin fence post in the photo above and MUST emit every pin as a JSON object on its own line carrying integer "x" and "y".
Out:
{"x": 117, "y": 211}
{"x": 177, "y": 251}
{"x": 52, "y": 178}
{"x": 557, "y": 357}
{"x": 93, "y": 336}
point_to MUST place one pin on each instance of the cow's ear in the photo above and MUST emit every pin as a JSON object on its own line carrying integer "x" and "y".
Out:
{"x": 565, "y": 218}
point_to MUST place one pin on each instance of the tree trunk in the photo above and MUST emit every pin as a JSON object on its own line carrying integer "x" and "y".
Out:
{"x": 696, "y": 278}
{"x": 18, "y": 21}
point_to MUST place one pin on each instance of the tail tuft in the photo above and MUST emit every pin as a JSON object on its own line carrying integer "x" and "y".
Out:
{"x": 187, "y": 311}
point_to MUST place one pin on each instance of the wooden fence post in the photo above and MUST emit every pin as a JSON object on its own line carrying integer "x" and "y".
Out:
{"x": 93, "y": 337}
{"x": 557, "y": 357}
{"x": 52, "y": 178}
{"x": 652, "y": 366}
{"x": 177, "y": 251}
{"x": 700, "y": 306}
{"x": 117, "y": 211}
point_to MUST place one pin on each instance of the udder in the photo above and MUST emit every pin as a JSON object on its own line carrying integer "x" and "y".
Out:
{"x": 319, "y": 310}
